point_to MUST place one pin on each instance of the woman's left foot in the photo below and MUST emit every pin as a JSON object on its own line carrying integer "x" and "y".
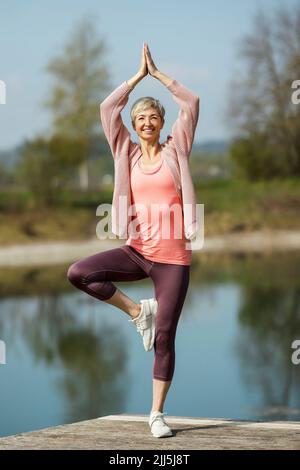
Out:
{"x": 145, "y": 322}
{"x": 158, "y": 426}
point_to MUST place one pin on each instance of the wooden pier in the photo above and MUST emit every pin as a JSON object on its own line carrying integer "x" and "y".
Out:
{"x": 127, "y": 431}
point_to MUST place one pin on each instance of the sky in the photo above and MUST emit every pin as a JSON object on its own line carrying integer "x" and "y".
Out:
{"x": 195, "y": 42}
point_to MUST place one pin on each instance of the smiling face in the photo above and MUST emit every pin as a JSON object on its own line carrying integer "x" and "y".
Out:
{"x": 148, "y": 124}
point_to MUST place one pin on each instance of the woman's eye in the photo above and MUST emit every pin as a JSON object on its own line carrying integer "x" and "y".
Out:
{"x": 141, "y": 119}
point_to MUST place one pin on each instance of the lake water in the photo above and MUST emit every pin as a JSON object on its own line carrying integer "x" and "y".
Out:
{"x": 70, "y": 357}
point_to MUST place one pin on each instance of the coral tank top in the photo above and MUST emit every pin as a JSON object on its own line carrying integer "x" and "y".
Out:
{"x": 157, "y": 217}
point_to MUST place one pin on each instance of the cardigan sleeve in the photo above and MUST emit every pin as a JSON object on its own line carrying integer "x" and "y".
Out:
{"x": 118, "y": 136}
{"x": 183, "y": 130}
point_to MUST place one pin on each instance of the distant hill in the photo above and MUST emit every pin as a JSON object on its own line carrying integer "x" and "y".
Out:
{"x": 211, "y": 146}
{"x": 9, "y": 158}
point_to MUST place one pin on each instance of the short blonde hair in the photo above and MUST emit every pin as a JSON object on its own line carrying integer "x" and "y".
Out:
{"x": 145, "y": 103}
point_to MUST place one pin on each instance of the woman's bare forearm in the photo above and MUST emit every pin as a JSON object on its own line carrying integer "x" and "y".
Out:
{"x": 134, "y": 80}
{"x": 163, "y": 78}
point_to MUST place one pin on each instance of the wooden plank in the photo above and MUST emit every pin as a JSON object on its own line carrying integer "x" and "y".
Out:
{"x": 127, "y": 431}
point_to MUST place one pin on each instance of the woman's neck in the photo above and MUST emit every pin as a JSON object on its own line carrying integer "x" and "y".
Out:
{"x": 150, "y": 151}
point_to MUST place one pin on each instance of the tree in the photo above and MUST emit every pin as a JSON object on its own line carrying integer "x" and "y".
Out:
{"x": 81, "y": 78}
{"x": 38, "y": 171}
{"x": 260, "y": 97}
{"x": 46, "y": 166}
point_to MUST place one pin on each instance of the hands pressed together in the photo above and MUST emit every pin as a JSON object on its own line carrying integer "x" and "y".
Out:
{"x": 148, "y": 67}
{"x": 147, "y": 64}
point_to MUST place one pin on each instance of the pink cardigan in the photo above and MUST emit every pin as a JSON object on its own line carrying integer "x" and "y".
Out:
{"x": 176, "y": 150}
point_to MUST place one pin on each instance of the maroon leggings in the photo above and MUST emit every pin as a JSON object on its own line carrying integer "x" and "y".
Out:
{"x": 95, "y": 274}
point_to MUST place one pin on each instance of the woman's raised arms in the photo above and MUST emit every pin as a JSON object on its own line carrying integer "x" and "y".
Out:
{"x": 183, "y": 130}
{"x": 118, "y": 136}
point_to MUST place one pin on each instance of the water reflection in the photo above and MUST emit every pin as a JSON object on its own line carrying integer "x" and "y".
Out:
{"x": 269, "y": 319}
{"x": 92, "y": 361}
{"x": 91, "y": 364}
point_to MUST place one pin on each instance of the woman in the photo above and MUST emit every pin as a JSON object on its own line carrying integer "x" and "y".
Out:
{"x": 149, "y": 175}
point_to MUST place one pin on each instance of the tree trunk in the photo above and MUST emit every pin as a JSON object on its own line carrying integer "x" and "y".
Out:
{"x": 84, "y": 176}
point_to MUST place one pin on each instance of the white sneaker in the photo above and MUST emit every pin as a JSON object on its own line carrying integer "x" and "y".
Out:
{"x": 145, "y": 322}
{"x": 158, "y": 426}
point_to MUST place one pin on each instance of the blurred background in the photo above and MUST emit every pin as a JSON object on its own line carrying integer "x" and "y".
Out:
{"x": 70, "y": 357}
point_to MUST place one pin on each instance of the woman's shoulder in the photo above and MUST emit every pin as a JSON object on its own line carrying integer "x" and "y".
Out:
{"x": 168, "y": 145}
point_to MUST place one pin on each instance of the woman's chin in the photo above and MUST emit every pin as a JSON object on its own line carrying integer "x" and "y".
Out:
{"x": 149, "y": 138}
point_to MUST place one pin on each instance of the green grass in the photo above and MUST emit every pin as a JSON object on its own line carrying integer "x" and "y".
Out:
{"x": 232, "y": 205}
{"x": 242, "y": 205}
{"x": 47, "y": 224}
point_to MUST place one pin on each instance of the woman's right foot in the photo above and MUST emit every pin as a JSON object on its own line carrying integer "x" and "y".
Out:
{"x": 145, "y": 322}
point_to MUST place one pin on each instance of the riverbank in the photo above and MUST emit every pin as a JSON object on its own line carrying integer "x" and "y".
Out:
{"x": 230, "y": 207}
{"x": 58, "y": 252}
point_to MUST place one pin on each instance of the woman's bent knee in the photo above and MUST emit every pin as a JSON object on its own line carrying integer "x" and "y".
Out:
{"x": 74, "y": 274}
